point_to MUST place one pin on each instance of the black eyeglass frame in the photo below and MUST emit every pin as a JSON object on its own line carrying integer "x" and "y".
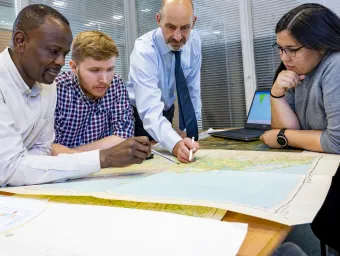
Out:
{"x": 289, "y": 52}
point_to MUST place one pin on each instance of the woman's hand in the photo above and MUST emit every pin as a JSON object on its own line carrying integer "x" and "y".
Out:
{"x": 270, "y": 138}
{"x": 285, "y": 80}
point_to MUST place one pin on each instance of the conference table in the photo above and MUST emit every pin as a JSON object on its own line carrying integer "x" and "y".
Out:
{"x": 263, "y": 236}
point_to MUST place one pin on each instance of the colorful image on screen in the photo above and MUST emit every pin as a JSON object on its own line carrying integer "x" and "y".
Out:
{"x": 260, "y": 112}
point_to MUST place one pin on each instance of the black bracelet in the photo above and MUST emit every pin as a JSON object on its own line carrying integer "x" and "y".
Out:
{"x": 276, "y": 97}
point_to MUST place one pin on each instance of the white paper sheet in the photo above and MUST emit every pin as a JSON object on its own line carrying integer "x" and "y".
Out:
{"x": 17, "y": 211}
{"x": 81, "y": 230}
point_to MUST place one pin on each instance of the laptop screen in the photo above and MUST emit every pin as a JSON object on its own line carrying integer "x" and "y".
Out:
{"x": 260, "y": 112}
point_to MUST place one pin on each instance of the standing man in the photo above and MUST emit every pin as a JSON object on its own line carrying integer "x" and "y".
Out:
{"x": 163, "y": 61}
{"x": 41, "y": 39}
{"x": 93, "y": 109}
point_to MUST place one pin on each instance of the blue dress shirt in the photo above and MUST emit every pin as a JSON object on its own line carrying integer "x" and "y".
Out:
{"x": 152, "y": 82}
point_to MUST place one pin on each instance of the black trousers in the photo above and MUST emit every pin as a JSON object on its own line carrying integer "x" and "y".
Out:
{"x": 326, "y": 224}
{"x": 139, "y": 129}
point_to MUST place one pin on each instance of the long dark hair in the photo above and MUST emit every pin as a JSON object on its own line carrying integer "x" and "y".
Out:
{"x": 314, "y": 26}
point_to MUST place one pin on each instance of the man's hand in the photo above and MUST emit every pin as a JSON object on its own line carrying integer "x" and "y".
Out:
{"x": 270, "y": 138}
{"x": 182, "y": 149}
{"x": 131, "y": 151}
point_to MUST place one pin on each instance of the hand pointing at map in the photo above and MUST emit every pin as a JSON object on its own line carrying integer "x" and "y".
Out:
{"x": 182, "y": 150}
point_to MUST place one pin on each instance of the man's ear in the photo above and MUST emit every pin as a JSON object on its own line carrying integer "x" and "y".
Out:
{"x": 19, "y": 40}
{"x": 194, "y": 21}
{"x": 158, "y": 19}
{"x": 73, "y": 66}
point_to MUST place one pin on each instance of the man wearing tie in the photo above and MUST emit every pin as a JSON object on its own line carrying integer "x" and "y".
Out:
{"x": 166, "y": 60}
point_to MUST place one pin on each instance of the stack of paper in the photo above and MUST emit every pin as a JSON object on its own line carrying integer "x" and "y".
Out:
{"x": 81, "y": 230}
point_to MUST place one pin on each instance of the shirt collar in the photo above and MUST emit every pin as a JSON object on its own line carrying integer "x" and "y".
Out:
{"x": 18, "y": 81}
{"x": 79, "y": 92}
{"x": 164, "y": 48}
{"x": 76, "y": 86}
{"x": 35, "y": 91}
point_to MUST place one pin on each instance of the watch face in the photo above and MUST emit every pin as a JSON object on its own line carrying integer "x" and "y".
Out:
{"x": 282, "y": 140}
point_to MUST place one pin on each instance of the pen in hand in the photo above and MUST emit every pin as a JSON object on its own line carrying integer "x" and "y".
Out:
{"x": 190, "y": 154}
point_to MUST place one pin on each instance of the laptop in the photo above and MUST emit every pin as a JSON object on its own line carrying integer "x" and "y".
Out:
{"x": 258, "y": 119}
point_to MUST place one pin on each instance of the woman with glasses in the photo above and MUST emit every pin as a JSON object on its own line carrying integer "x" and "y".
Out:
{"x": 305, "y": 96}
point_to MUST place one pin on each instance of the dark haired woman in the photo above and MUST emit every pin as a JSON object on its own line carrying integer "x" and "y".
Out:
{"x": 305, "y": 97}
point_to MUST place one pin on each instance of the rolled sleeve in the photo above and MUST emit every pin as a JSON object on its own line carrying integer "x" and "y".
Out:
{"x": 43, "y": 169}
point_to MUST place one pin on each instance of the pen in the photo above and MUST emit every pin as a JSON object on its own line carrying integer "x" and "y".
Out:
{"x": 157, "y": 153}
{"x": 190, "y": 154}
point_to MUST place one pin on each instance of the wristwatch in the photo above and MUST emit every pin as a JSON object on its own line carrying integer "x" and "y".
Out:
{"x": 282, "y": 139}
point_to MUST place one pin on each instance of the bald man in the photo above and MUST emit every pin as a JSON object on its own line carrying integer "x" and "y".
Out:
{"x": 164, "y": 61}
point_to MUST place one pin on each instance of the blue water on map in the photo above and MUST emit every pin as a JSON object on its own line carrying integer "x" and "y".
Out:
{"x": 260, "y": 189}
{"x": 86, "y": 186}
{"x": 264, "y": 190}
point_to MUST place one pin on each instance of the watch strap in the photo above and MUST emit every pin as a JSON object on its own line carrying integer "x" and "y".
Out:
{"x": 282, "y": 135}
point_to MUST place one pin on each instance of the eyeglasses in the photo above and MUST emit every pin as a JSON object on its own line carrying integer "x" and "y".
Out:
{"x": 289, "y": 52}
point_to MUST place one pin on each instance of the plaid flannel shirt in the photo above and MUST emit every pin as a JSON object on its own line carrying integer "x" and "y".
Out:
{"x": 80, "y": 120}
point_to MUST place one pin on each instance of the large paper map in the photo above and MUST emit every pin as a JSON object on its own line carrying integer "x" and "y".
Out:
{"x": 284, "y": 187}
